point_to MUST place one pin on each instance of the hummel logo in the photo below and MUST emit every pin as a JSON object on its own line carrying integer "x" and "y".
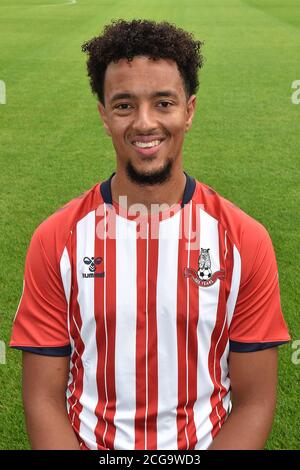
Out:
{"x": 92, "y": 263}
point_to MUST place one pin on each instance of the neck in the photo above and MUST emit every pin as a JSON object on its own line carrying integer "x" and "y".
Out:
{"x": 170, "y": 192}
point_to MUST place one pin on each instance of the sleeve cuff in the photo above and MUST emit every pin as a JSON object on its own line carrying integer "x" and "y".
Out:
{"x": 236, "y": 346}
{"x": 56, "y": 352}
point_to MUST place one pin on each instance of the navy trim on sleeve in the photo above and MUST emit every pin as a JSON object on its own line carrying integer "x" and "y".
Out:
{"x": 55, "y": 352}
{"x": 236, "y": 346}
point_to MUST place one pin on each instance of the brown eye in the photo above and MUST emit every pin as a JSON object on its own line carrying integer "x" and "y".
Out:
{"x": 165, "y": 103}
{"x": 122, "y": 104}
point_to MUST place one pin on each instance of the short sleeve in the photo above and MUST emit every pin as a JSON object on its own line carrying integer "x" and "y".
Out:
{"x": 40, "y": 324}
{"x": 257, "y": 321}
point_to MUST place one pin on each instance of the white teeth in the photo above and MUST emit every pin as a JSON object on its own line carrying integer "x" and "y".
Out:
{"x": 147, "y": 144}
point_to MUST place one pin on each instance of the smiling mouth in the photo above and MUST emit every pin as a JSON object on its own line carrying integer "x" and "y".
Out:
{"x": 147, "y": 148}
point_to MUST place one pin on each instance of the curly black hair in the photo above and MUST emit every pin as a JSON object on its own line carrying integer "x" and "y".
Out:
{"x": 127, "y": 39}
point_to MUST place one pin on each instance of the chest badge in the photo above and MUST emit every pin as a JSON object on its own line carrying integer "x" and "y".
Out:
{"x": 204, "y": 276}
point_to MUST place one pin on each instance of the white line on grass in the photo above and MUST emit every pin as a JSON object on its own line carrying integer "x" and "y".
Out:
{"x": 70, "y": 2}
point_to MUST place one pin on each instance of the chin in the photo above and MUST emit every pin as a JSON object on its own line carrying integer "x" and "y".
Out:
{"x": 149, "y": 174}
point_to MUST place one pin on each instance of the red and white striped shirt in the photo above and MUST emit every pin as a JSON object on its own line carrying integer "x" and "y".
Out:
{"x": 149, "y": 321}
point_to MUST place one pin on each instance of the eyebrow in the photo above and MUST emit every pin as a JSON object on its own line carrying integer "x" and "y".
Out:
{"x": 156, "y": 94}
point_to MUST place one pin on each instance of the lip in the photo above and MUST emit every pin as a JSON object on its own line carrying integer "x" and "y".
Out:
{"x": 148, "y": 151}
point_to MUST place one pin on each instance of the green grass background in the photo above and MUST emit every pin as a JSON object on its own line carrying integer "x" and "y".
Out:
{"x": 244, "y": 142}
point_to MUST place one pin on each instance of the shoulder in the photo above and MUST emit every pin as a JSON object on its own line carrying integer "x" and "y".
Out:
{"x": 250, "y": 240}
{"x": 53, "y": 233}
{"x": 241, "y": 228}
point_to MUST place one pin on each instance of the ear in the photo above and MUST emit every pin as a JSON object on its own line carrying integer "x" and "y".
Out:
{"x": 103, "y": 117}
{"x": 190, "y": 112}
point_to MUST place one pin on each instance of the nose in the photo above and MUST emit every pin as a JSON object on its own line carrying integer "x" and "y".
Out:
{"x": 144, "y": 119}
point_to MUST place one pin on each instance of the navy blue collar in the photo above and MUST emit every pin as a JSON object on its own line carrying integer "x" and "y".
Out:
{"x": 105, "y": 189}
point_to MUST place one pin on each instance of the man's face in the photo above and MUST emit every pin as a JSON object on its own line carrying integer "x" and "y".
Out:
{"x": 145, "y": 104}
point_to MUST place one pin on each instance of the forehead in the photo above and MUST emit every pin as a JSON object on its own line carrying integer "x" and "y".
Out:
{"x": 142, "y": 75}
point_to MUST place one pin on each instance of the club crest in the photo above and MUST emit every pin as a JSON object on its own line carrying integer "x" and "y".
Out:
{"x": 204, "y": 276}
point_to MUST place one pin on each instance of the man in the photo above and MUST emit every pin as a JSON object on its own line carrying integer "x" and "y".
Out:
{"x": 158, "y": 325}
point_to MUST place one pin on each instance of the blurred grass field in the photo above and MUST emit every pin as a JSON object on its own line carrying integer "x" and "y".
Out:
{"x": 244, "y": 143}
